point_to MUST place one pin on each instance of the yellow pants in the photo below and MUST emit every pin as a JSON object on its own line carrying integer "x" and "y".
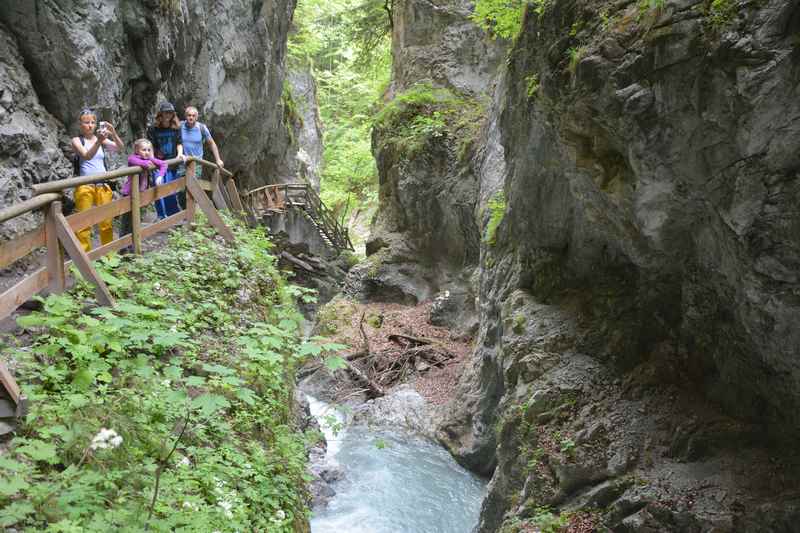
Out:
{"x": 86, "y": 197}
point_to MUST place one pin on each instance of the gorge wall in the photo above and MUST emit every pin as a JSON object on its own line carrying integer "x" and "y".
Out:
{"x": 121, "y": 58}
{"x": 630, "y": 203}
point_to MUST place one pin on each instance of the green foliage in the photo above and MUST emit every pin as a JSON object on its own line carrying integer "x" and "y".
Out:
{"x": 548, "y": 522}
{"x": 185, "y": 385}
{"x": 346, "y": 43}
{"x": 497, "y": 210}
{"x": 575, "y": 54}
{"x": 652, "y": 5}
{"x": 532, "y": 85}
{"x": 722, "y": 12}
{"x": 503, "y": 18}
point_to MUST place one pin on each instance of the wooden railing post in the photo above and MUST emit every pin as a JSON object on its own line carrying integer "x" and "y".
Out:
{"x": 136, "y": 214}
{"x": 81, "y": 260}
{"x": 190, "y": 202}
{"x": 55, "y": 254}
{"x": 193, "y": 188}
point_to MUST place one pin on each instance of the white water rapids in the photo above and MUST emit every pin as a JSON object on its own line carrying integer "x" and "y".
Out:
{"x": 394, "y": 483}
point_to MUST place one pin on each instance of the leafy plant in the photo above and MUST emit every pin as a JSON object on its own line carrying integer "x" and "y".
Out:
{"x": 170, "y": 411}
{"x": 497, "y": 210}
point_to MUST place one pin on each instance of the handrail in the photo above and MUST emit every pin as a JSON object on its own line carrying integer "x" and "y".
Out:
{"x": 28, "y": 205}
{"x": 68, "y": 183}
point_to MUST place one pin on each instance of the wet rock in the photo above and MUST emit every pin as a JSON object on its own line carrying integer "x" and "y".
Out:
{"x": 404, "y": 408}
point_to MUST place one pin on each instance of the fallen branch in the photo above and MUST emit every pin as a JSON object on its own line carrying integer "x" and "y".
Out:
{"x": 397, "y": 338}
{"x": 295, "y": 261}
{"x": 375, "y": 389}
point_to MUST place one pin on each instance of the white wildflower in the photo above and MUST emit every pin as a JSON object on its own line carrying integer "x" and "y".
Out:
{"x": 184, "y": 461}
{"x": 166, "y": 383}
{"x": 106, "y": 439}
{"x": 280, "y": 515}
{"x": 226, "y": 507}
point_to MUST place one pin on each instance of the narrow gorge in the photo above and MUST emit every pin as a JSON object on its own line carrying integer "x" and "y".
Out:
{"x": 580, "y": 276}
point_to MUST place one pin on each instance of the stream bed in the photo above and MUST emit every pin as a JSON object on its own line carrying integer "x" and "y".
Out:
{"x": 395, "y": 483}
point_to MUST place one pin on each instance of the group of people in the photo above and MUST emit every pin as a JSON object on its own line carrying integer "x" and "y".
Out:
{"x": 167, "y": 138}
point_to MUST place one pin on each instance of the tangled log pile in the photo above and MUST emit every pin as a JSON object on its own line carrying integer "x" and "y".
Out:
{"x": 377, "y": 370}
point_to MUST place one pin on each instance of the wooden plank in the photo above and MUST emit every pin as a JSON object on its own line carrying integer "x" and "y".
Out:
{"x": 9, "y": 383}
{"x": 19, "y": 247}
{"x": 136, "y": 213}
{"x": 81, "y": 260}
{"x": 55, "y": 255}
{"x": 216, "y": 192}
{"x": 28, "y": 205}
{"x": 22, "y": 292}
{"x": 151, "y": 194}
{"x": 113, "y": 246}
{"x": 205, "y": 204}
{"x": 163, "y": 225}
{"x": 205, "y": 185}
{"x": 90, "y": 217}
{"x": 233, "y": 193}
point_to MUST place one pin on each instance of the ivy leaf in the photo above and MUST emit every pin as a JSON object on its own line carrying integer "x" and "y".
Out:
{"x": 334, "y": 363}
{"x": 208, "y": 404}
{"x": 39, "y": 450}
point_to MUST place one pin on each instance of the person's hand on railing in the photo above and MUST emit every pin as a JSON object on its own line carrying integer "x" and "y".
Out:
{"x": 220, "y": 163}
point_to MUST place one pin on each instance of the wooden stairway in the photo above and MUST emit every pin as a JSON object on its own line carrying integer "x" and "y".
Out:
{"x": 301, "y": 197}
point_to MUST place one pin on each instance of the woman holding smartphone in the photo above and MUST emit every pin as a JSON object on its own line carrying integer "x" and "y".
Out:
{"x": 90, "y": 151}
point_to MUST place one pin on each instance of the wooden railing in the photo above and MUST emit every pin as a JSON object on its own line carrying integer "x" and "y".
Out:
{"x": 282, "y": 196}
{"x": 57, "y": 233}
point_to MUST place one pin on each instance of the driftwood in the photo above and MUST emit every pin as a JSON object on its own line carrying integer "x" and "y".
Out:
{"x": 374, "y": 388}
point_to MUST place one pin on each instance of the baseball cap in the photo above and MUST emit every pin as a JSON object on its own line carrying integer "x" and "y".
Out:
{"x": 166, "y": 107}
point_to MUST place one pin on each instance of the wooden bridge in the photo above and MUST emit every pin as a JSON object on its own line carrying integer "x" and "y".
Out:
{"x": 271, "y": 199}
{"x": 57, "y": 233}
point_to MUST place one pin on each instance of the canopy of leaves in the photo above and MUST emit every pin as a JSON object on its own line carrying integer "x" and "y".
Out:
{"x": 347, "y": 45}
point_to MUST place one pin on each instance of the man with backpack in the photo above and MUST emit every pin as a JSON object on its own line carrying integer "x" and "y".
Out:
{"x": 90, "y": 152}
{"x": 194, "y": 135}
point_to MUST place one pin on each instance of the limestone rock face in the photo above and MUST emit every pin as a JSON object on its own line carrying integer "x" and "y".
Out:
{"x": 307, "y": 161}
{"x": 29, "y": 137}
{"x": 644, "y": 261}
{"x": 121, "y": 58}
{"x": 426, "y": 227}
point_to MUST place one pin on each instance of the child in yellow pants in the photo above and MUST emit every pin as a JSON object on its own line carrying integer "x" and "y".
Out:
{"x": 86, "y": 197}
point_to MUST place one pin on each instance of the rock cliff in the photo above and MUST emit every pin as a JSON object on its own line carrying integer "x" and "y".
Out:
{"x": 631, "y": 198}
{"x": 121, "y": 58}
{"x": 425, "y": 238}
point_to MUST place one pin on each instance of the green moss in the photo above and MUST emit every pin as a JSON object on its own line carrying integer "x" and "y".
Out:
{"x": 722, "y": 12}
{"x": 532, "y": 85}
{"x": 424, "y": 114}
{"x": 519, "y": 323}
{"x": 334, "y": 315}
{"x": 497, "y": 210}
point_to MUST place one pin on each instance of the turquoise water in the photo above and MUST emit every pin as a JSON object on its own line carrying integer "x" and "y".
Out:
{"x": 398, "y": 483}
